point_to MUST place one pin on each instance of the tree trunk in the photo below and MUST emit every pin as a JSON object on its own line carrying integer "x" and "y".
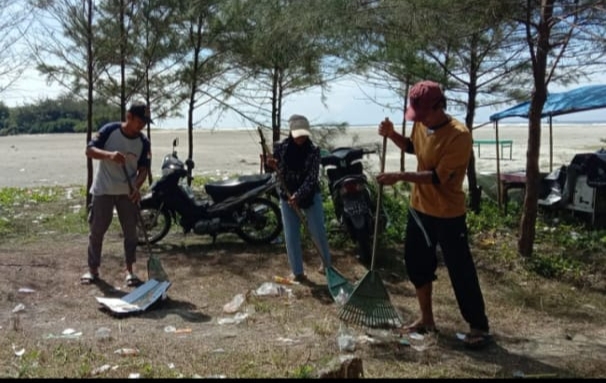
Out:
{"x": 539, "y": 65}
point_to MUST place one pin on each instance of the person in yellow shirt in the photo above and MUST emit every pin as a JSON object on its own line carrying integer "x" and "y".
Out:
{"x": 437, "y": 214}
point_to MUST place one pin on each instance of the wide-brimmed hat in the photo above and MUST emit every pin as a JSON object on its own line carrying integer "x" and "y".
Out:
{"x": 141, "y": 110}
{"x": 423, "y": 97}
{"x": 299, "y": 126}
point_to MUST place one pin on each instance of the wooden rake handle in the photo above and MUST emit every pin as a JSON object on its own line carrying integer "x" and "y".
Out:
{"x": 379, "y": 202}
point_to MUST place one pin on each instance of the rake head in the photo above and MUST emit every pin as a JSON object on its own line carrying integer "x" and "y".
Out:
{"x": 155, "y": 269}
{"x": 369, "y": 305}
{"x": 337, "y": 282}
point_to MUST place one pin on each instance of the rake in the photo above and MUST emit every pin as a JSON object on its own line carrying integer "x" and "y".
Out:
{"x": 369, "y": 304}
{"x": 154, "y": 266}
{"x": 335, "y": 280}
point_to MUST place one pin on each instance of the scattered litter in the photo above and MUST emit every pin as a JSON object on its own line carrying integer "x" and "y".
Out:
{"x": 420, "y": 347}
{"x": 345, "y": 339}
{"x": 19, "y": 307}
{"x": 288, "y": 340}
{"x": 171, "y": 366}
{"x": 235, "y": 304}
{"x": 26, "y": 290}
{"x": 461, "y": 336}
{"x": 103, "y": 333}
{"x": 174, "y": 330}
{"x": 101, "y": 369}
{"x": 68, "y": 333}
{"x": 362, "y": 339}
{"x": 127, "y": 352}
{"x": 416, "y": 336}
{"x": 218, "y": 350}
{"x": 134, "y": 375}
{"x": 237, "y": 319}
{"x": 213, "y": 377}
{"x": 342, "y": 297}
{"x": 18, "y": 352}
{"x": 285, "y": 281}
{"x": 272, "y": 289}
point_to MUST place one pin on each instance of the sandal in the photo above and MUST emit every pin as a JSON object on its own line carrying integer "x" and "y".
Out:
{"x": 88, "y": 278}
{"x": 477, "y": 341}
{"x": 132, "y": 280}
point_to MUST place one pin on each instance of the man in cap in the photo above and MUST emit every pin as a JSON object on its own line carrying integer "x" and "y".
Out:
{"x": 437, "y": 214}
{"x": 297, "y": 162}
{"x": 120, "y": 147}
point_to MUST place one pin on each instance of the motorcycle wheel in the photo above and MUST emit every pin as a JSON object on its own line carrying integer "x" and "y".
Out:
{"x": 157, "y": 224}
{"x": 262, "y": 222}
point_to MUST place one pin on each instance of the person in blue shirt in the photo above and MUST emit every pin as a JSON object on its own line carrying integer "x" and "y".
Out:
{"x": 117, "y": 146}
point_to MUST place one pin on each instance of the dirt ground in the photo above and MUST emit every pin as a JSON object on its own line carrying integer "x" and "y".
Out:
{"x": 281, "y": 335}
{"x": 540, "y": 326}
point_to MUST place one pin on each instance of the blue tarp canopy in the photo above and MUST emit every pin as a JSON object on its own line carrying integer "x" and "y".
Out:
{"x": 573, "y": 101}
{"x": 577, "y": 100}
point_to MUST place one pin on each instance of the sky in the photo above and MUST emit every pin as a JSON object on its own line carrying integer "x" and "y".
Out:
{"x": 346, "y": 101}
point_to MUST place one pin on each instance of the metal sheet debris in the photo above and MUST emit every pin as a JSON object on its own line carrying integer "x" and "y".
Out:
{"x": 137, "y": 300}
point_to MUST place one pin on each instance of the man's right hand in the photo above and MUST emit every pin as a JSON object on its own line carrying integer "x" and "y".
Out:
{"x": 117, "y": 157}
{"x": 386, "y": 128}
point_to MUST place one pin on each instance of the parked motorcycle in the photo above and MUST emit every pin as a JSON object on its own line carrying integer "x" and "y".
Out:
{"x": 353, "y": 200}
{"x": 238, "y": 205}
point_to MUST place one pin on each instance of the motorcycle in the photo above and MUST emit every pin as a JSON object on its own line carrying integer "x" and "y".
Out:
{"x": 239, "y": 205}
{"x": 353, "y": 201}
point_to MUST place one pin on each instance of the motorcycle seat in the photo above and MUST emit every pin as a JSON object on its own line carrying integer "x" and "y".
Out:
{"x": 220, "y": 190}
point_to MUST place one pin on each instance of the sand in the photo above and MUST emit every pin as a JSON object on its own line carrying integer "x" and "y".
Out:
{"x": 58, "y": 159}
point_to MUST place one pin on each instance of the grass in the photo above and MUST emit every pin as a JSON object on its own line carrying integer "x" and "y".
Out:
{"x": 536, "y": 306}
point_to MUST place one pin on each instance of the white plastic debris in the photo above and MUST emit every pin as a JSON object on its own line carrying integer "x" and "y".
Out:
{"x": 19, "y": 307}
{"x": 272, "y": 289}
{"x": 26, "y": 290}
{"x": 127, "y": 352}
{"x": 235, "y": 304}
{"x": 101, "y": 369}
{"x": 18, "y": 352}
{"x": 237, "y": 319}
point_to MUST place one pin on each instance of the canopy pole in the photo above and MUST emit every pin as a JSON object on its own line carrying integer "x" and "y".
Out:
{"x": 550, "y": 145}
{"x": 499, "y": 186}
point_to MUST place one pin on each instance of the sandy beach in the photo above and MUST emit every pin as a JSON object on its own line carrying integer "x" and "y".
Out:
{"x": 58, "y": 159}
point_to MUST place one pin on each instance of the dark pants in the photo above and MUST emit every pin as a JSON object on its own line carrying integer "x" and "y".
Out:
{"x": 421, "y": 262}
{"x": 99, "y": 219}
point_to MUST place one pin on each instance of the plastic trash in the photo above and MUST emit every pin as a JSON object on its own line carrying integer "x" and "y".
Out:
{"x": 127, "y": 352}
{"x": 26, "y": 290}
{"x": 134, "y": 375}
{"x": 285, "y": 281}
{"x": 235, "y": 304}
{"x": 342, "y": 297}
{"x": 101, "y": 369}
{"x": 18, "y": 352}
{"x": 103, "y": 333}
{"x": 271, "y": 288}
{"x": 20, "y": 307}
{"x": 345, "y": 340}
{"x": 170, "y": 329}
{"x": 237, "y": 319}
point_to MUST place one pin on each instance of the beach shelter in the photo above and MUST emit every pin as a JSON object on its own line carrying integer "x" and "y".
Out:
{"x": 573, "y": 101}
